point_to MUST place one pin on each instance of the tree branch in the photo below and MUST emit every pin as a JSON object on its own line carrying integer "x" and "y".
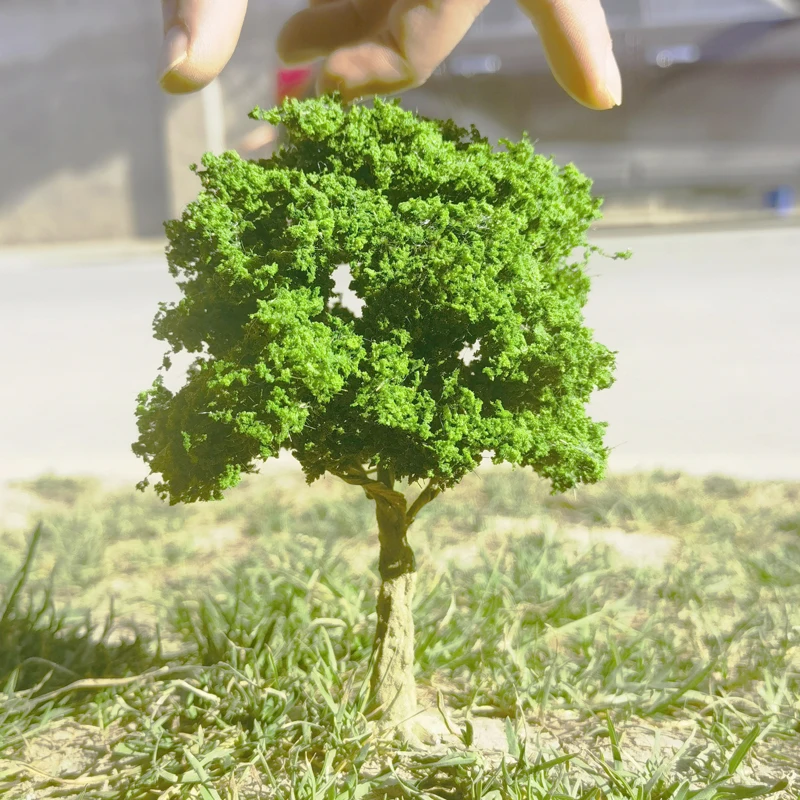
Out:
{"x": 377, "y": 490}
{"x": 358, "y": 469}
{"x": 424, "y": 497}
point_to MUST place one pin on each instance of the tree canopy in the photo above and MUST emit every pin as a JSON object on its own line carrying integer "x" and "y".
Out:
{"x": 450, "y": 242}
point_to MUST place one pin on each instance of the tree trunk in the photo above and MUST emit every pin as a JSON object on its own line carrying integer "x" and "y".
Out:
{"x": 392, "y": 684}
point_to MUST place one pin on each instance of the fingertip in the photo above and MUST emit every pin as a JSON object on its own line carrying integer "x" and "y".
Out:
{"x": 181, "y": 72}
{"x": 331, "y": 83}
{"x": 200, "y": 38}
{"x": 174, "y": 54}
{"x": 579, "y": 49}
{"x": 175, "y": 82}
{"x": 599, "y": 91}
{"x": 613, "y": 79}
{"x": 365, "y": 70}
{"x": 186, "y": 77}
{"x": 605, "y": 92}
{"x": 599, "y": 100}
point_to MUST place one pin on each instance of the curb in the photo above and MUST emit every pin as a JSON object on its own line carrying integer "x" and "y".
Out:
{"x": 87, "y": 253}
{"x": 104, "y": 253}
{"x": 677, "y": 221}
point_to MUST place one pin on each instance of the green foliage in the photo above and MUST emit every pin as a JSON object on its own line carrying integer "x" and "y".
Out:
{"x": 450, "y": 244}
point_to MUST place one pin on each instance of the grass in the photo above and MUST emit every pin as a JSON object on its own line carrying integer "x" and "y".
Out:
{"x": 221, "y": 650}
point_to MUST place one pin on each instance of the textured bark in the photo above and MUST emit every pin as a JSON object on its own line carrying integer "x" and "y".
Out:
{"x": 392, "y": 680}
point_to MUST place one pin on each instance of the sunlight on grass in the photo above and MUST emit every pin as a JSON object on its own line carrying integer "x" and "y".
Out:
{"x": 236, "y": 658}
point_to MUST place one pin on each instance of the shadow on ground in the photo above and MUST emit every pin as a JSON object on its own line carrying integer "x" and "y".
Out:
{"x": 42, "y": 648}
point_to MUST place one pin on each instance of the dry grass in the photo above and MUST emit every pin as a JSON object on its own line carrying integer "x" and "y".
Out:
{"x": 566, "y": 645}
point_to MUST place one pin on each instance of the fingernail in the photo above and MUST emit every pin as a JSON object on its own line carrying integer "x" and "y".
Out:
{"x": 174, "y": 52}
{"x": 613, "y": 79}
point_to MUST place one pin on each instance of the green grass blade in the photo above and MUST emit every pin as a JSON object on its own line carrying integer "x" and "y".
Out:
{"x": 742, "y": 750}
{"x": 22, "y": 574}
{"x": 692, "y": 682}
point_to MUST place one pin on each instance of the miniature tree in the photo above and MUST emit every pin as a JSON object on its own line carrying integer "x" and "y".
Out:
{"x": 451, "y": 244}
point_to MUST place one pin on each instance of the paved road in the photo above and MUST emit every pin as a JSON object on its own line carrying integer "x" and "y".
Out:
{"x": 706, "y": 325}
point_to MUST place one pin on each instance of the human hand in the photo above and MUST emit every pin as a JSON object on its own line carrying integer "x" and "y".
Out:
{"x": 387, "y": 46}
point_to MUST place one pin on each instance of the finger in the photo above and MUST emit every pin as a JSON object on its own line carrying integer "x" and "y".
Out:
{"x": 578, "y": 47}
{"x": 419, "y": 35}
{"x": 199, "y": 39}
{"x": 327, "y": 25}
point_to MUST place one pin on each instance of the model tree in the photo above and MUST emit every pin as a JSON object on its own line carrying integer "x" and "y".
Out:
{"x": 452, "y": 246}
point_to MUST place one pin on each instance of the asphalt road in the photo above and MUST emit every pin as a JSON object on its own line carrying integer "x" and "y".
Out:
{"x": 706, "y": 324}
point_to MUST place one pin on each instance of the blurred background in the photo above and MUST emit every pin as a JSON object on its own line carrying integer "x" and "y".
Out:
{"x": 89, "y": 150}
{"x": 700, "y": 168}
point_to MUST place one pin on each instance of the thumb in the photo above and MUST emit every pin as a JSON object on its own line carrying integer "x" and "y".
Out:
{"x": 199, "y": 39}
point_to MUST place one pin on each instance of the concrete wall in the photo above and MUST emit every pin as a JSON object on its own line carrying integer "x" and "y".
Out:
{"x": 91, "y": 149}
{"x": 81, "y": 139}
